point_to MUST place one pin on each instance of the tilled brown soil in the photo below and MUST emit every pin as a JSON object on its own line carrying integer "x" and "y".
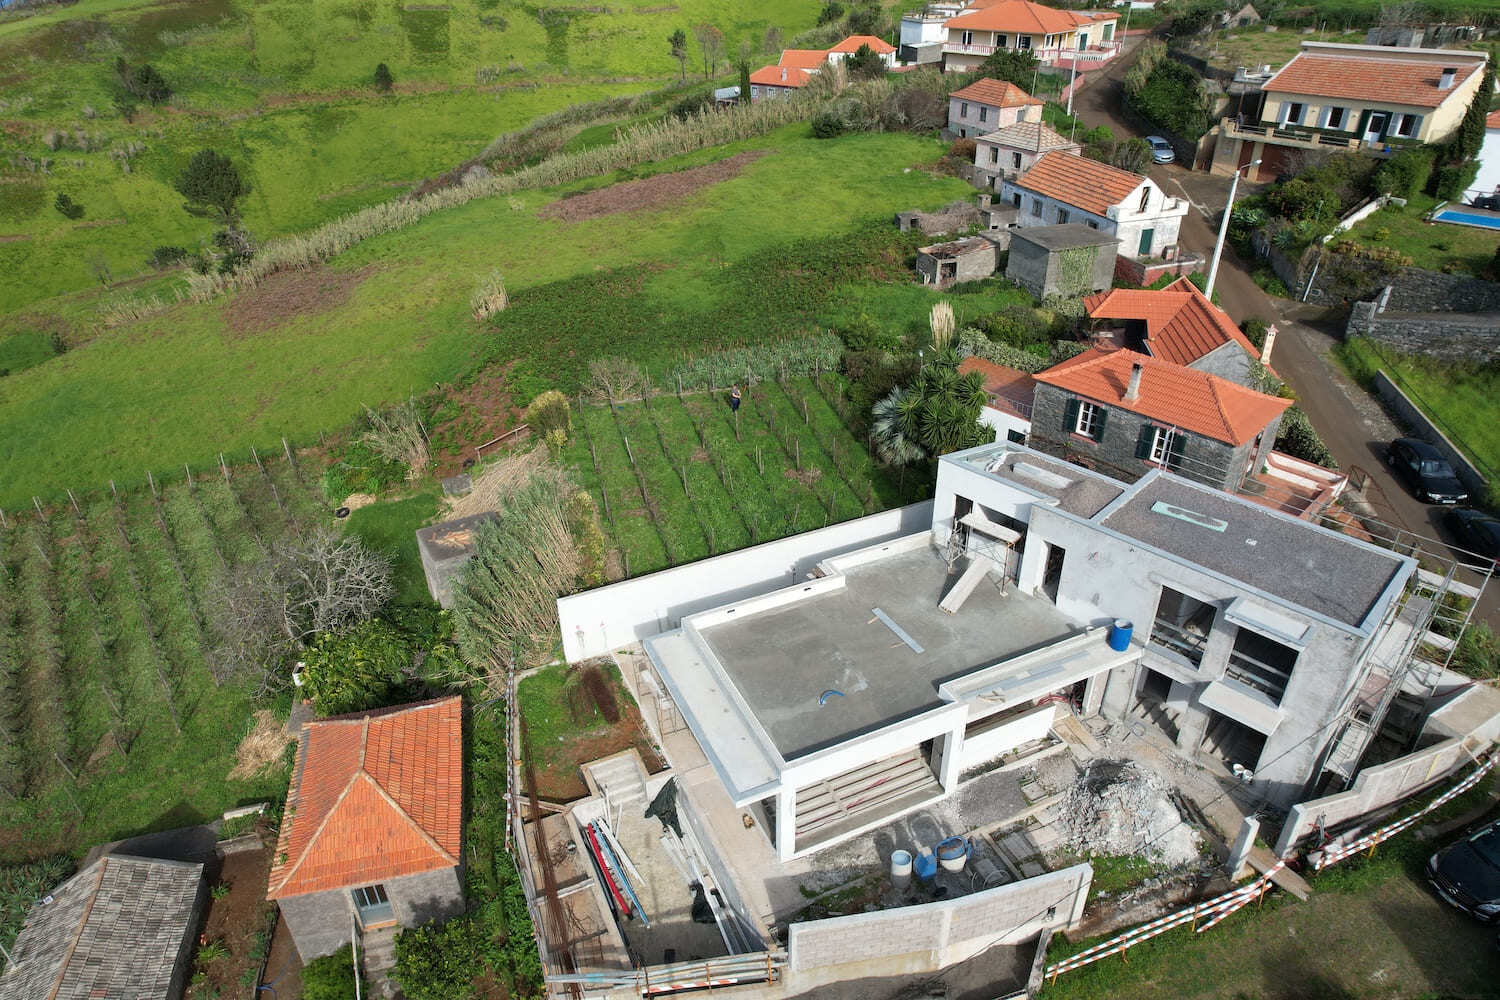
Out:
{"x": 286, "y": 295}
{"x": 650, "y": 192}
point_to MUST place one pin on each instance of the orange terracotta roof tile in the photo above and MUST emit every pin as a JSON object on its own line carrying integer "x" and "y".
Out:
{"x": 1008, "y": 388}
{"x": 1186, "y": 398}
{"x": 1492, "y": 120}
{"x": 780, "y": 76}
{"x": 851, "y": 45}
{"x": 995, "y": 93}
{"x": 1367, "y": 78}
{"x": 1079, "y": 181}
{"x": 374, "y": 796}
{"x": 1182, "y": 325}
{"x": 1019, "y": 16}
{"x": 803, "y": 58}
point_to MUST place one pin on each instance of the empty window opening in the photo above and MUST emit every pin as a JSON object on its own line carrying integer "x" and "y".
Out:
{"x": 1261, "y": 663}
{"x": 1182, "y": 625}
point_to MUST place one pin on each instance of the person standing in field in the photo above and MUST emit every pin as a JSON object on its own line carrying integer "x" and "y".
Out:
{"x": 734, "y": 400}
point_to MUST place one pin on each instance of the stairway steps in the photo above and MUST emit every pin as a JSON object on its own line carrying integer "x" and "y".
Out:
{"x": 829, "y": 802}
{"x": 824, "y": 793}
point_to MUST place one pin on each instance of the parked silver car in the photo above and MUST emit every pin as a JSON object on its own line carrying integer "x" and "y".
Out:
{"x": 1161, "y": 149}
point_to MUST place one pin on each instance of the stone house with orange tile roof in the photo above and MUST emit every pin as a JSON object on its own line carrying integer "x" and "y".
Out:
{"x": 1061, "y": 188}
{"x": 1126, "y": 413}
{"x": 1178, "y": 324}
{"x": 372, "y": 833}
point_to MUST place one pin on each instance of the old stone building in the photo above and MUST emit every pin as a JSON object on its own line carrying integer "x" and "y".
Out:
{"x": 1177, "y": 324}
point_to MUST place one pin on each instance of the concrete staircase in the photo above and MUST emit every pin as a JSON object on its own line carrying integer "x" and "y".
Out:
{"x": 864, "y": 790}
{"x": 377, "y": 956}
{"x": 620, "y": 780}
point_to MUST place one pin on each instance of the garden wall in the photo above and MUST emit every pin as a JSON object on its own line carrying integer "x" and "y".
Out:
{"x": 1445, "y": 336}
{"x": 932, "y": 936}
{"x": 596, "y": 622}
{"x": 1375, "y": 788}
{"x": 1412, "y": 289}
{"x": 1405, "y": 410}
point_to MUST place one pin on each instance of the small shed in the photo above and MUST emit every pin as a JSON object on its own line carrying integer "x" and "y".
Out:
{"x": 122, "y": 927}
{"x": 445, "y": 548}
{"x": 725, "y": 97}
{"x": 972, "y": 258}
{"x": 1070, "y": 259}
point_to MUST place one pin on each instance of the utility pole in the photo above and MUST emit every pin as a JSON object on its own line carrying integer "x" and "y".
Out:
{"x": 1213, "y": 268}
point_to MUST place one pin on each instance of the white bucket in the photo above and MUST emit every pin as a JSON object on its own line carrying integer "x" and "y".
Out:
{"x": 900, "y": 864}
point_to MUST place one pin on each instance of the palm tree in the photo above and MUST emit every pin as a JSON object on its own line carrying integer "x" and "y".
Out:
{"x": 936, "y": 414}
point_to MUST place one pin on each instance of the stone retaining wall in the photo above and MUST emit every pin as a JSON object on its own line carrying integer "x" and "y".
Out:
{"x": 1408, "y": 412}
{"x": 1445, "y": 336}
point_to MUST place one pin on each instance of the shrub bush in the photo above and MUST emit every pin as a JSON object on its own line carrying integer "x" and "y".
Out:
{"x": 788, "y": 359}
{"x": 378, "y": 663}
{"x": 550, "y": 412}
{"x": 1450, "y": 181}
{"x": 164, "y": 257}
{"x": 383, "y": 80}
{"x": 1297, "y": 438}
{"x": 973, "y": 343}
{"x": 69, "y": 208}
{"x": 358, "y": 469}
{"x": 330, "y": 977}
{"x": 1254, "y": 328}
{"x": 1017, "y": 326}
{"x": 827, "y": 125}
{"x": 862, "y": 333}
{"x": 963, "y": 149}
{"x": 1404, "y": 174}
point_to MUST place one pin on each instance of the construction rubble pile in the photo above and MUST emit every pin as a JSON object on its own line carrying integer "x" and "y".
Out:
{"x": 1121, "y": 808}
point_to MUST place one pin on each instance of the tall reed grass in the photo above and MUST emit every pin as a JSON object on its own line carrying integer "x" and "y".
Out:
{"x": 641, "y": 144}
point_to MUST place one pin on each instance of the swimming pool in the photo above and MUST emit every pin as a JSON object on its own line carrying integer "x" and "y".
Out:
{"x": 1484, "y": 220}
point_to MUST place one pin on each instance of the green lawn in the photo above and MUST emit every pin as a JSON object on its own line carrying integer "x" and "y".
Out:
{"x": 1255, "y": 46}
{"x": 1430, "y": 245}
{"x": 708, "y": 271}
{"x": 284, "y": 87}
{"x": 391, "y": 527}
{"x": 1460, "y": 398}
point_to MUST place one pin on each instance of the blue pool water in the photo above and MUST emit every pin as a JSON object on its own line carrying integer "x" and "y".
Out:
{"x": 1468, "y": 218}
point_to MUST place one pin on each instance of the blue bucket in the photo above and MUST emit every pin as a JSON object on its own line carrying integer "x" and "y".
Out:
{"x": 926, "y": 865}
{"x": 1119, "y": 635}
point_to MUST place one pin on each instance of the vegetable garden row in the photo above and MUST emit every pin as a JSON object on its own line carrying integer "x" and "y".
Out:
{"x": 107, "y": 671}
{"x": 679, "y": 478}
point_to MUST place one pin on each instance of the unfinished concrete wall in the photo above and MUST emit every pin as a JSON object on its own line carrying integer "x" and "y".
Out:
{"x": 596, "y": 622}
{"x": 931, "y": 936}
{"x": 321, "y": 922}
{"x": 1375, "y": 788}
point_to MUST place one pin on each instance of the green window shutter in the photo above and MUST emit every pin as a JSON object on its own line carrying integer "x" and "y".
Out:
{"x": 1070, "y": 416}
{"x": 1099, "y": 427}
{"x": 1144, "y": 441}
{"x": 1364, "y": 123}
{"x": 1175, "y": 447}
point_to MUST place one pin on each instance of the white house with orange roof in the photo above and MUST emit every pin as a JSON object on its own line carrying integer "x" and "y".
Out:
{"x": 986, "y": 105}
{"x": 882, "y": 48}
{"x": 1052, "y": 35}
{"x": 789, "y": 75}
{"x": 1063, "y": 188}
{"x": 1332, "y": 97}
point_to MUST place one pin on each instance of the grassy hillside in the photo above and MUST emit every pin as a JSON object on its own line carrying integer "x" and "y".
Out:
{"x": 303, "y": 352}
{"x": 285, "y": 88}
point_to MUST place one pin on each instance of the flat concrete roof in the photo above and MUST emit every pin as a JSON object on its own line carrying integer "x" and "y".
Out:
{"x": 1313, "y": 567}
{"x": 1077, "y": 490}
{"x": 783, "y": 660}
{"x": 451, "y": 539}
{"x": 1064, "y": 237}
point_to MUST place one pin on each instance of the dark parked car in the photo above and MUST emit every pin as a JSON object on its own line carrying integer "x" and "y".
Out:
{"x": 1425, "y": 471}
{"x": 1467, "y": 874}
{"x": 1475, "y": 530}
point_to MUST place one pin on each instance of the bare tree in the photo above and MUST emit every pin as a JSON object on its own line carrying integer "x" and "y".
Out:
{"x": 1400, "y": 15}
{"x": 711, "y": 43}
{"x": 612, "y": 379}
{"x": 267, "y": 610}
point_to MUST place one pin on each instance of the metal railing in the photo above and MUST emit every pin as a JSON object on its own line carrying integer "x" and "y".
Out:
{"x": 1176, "y": 639}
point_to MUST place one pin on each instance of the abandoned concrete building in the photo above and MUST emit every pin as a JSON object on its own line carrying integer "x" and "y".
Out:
{"x": 972, "y": 258}
{"x": 1069, "y": 259}
{"x": 445, "y": 549}
{"x": 1010, "y": 151}
{"x": 372, "y": 838}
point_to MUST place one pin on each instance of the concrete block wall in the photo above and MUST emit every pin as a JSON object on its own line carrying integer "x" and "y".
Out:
{"x": 596, "y": 622}
{"x": 931, "y": 936}
{"x": 1374, "y": 788}
{"x": 322, "y": 922}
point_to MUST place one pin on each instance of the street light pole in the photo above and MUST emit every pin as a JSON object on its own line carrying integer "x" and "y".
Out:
{"x": 1213, "y": 267}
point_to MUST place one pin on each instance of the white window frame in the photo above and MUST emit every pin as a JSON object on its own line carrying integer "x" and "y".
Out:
{"x": 1023, "y": 42}
{"x": 994, "y": 154}
{"x": 967, "y": 38}
{"x": 1342, "y": 114}
{"x": 1087, "y": 424}
{"x": 984, "y": 113}
{"x": 963, "y": 109}
{"x": 1161, "y": 446}
{"x": 1408, "y": 122}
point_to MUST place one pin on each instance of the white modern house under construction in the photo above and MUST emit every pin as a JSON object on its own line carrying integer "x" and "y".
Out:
{"x": 830, "y": 696}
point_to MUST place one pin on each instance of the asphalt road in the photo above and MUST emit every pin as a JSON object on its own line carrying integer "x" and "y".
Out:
{"x": 1351, "y": 423}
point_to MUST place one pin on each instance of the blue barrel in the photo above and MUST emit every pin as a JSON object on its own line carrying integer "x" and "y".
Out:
{"x": 1119, "y": 635}
{"x": 926, "y": 865}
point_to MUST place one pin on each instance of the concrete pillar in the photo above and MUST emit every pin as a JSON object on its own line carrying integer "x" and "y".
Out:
{"x": 1033, "y": 565}
{"x": 949, "y": 751}
{"x": 1191, "y": 725}
{"x": 786, "y": 823}
{"x": 1240, "y": 852}
{"x": 1119, "y": 691}
{"x": 1093, "y": 693}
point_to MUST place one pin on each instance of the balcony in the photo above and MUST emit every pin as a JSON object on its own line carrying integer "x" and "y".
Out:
{"x": 1309, "y": 138}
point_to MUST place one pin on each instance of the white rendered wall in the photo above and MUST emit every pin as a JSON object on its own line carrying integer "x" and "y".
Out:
{"x": 596, "y": 622}
{"x": 1003, "y": 422}
{"x": 991, "y": 743}
{"x": 1487, "y": 181}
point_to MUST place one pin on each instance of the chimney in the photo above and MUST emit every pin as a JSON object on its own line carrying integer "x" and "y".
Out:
{"x": 1265, "y": 352}
{"x": 783, "y": 74}
{"x": 1446, "y": 80}
{"x": 1133, "y": 392}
